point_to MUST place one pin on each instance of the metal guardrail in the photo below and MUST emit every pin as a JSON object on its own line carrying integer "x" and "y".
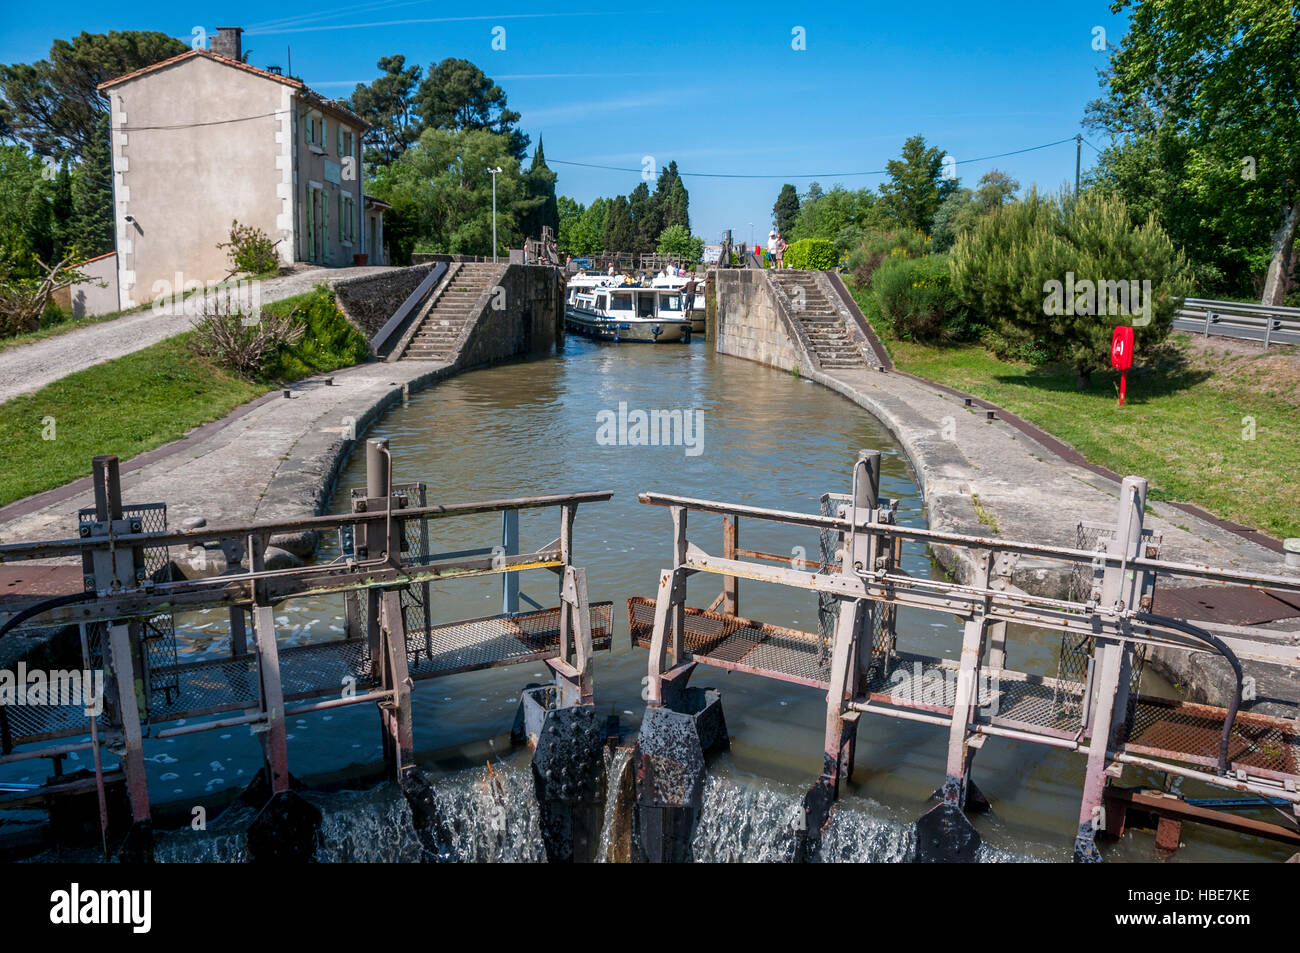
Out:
{"x": 1240, "y": 319}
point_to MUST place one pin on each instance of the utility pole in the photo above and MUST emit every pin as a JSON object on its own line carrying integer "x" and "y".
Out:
{"x": 1078, "y": 161}
{"x": 494, "y": 212}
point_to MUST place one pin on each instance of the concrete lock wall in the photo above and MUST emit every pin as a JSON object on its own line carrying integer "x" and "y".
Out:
{"x": 523, "y": 313}
{"x": 750, "y": 323}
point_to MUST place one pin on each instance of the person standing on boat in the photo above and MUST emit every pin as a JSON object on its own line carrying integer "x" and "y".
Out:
{"x": 688, "y": 295}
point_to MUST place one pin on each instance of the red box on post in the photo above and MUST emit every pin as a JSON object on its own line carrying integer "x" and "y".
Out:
{"x": 1121, "y": 348}
{"x": 1121, "y": 355}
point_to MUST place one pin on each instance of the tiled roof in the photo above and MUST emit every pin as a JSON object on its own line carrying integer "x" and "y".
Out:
{"x": 316, "y": 98}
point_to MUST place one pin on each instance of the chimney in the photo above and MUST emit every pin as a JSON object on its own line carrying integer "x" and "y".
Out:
{"x": 227, "y": 43}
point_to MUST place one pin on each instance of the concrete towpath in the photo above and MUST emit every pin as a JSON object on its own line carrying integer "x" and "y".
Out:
{"x": 986, "y": 477}
{"x": 30, "y": 367}
{"x": 274, "y": 458}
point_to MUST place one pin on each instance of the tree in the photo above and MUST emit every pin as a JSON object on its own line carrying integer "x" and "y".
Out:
{"x": 676, "y": 240}
{"x": 91, "y": 228}
{"x": 457, "y": 95}
{"x": 838, "y": 215}
{"x": 1225, "y": 74}
{"x": 539, "y": 183}
{"x": 53, "y": 105}
{"x": 27, "y": 226}
{"x": 671, "y": 201}
{"x": 1058, "y": 273}
{"x": 962, "y": 209}
{"x": 568, "y": 215}
{"x": 957, "y": 213}
{"x": 916, "y": 186}
{"x": 589, "y": 236}
{"x": 23, "y": 300}
{"x": 618, "y": 235}
{"x": 443, "y": 193}
{"x": 785, "y": 209}
{"x": 645, "y": 220}
{"x": 388, "y": 105}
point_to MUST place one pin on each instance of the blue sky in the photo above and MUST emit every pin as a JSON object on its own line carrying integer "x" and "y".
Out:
{"x": 716, "y": 87}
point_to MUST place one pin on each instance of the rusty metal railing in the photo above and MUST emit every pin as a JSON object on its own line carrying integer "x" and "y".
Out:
{"x": 384, "y": 651}
{"x": 985, "y": 696}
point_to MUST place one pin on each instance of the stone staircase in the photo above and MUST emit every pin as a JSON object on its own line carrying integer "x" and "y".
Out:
{"x": 821, "y": 321}
{"x": 443, "y": 319}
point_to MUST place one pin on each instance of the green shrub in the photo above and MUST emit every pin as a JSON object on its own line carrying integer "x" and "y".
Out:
{"x": 1035, "y": 270}
{"x": 292, "y": 339}
{"x": 917, "y": 298}
{"x": 330, "y": 341}
{"x": 250, "y": 250}
{"x": 875, "y": 246}
{"x": 812, "y": 254}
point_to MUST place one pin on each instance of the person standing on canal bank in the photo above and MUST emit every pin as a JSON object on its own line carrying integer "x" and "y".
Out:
{"x": 781, "y": 246}
{"x": 771, "y": 248}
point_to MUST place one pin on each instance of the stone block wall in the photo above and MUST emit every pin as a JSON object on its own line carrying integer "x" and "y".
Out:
{"x": 749, "y": 321}
{"x": 369, "y": 301}
{"x": 525, "y": 317}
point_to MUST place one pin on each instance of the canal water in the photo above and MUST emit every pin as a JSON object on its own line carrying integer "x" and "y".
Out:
{"x": 764, "y": 438}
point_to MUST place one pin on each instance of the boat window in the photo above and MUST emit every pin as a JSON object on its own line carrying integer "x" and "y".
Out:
{"x": 620, "y": 302}
{"x": 645, "y": 306}
{"x": 602, "y": 302}
{"x": 670, "y": 303}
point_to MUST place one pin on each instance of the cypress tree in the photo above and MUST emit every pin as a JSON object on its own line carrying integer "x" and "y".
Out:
{"x": 91, "y": 227}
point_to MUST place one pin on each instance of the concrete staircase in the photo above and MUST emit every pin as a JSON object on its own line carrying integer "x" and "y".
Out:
{"x": 443, "y": 319}
{"x": 821, "y": 321}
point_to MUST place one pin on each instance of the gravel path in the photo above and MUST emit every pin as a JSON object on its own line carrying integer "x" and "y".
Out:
{"x": 30, "y": 367}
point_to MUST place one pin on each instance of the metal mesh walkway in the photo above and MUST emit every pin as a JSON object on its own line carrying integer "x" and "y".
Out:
{"x": 1259, "y": 744}
{"x": 214, "y": 686}
{"x": 742, "y": 645}
{"x": 498, "y": 640}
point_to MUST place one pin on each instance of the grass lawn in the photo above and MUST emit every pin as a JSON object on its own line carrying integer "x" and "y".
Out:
{"x": 142, "y": 400}
{"x": 1186, "y": 424}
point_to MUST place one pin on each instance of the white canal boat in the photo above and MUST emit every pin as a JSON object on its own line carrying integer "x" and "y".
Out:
{"x": 696, "y": 313}
{"x": 607, "y": 309}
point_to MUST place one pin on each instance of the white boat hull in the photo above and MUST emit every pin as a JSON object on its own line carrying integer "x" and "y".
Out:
{"x": 656, "y": 331}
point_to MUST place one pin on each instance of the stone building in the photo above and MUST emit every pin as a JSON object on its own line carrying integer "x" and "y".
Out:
{"x": 203, "y": 139}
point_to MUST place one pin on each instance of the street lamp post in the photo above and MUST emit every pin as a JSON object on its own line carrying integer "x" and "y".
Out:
{"x": 494, "y": 212}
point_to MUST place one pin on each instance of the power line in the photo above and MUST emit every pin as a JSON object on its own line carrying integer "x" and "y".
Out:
{"x": 214, "y": 122}
{"x": 801, "y": 175}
